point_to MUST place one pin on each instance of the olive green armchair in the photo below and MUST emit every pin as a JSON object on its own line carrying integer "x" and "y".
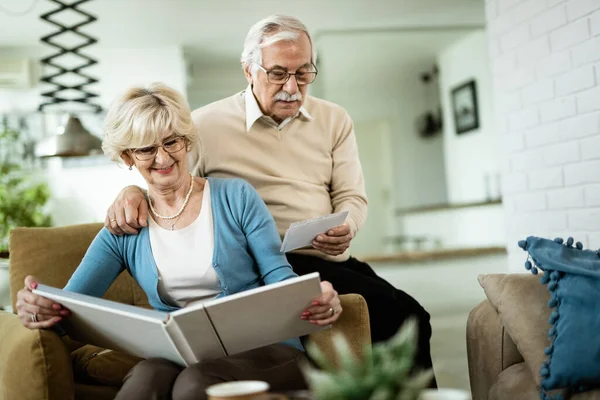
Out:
{"x": 39, "y": 365}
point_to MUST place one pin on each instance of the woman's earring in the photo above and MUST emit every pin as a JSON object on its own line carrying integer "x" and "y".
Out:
{"x": 130, "y": 167}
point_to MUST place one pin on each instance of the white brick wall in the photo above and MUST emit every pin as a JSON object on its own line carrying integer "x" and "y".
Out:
{"x": 595, "y": 23}
{"x": 585, "y": 220}
{"x": 575, "y": 80}
{"x": 592, "y": 195}
{"x": 562, "y": 199}
{"x": 534, "y": 50}
{"x": 586, "y": 52}
{"x": 546, "y": 178}
{"x": 566, "y": 152}
{"x": 579, "y": 8}
{"x": 541, "y": 135}
{"x": 514, "y": 38}
{"x": 573, "y": 33}
{"x": 514, "y": 183}
{"x": 556, "y": 63}
{"x": 545, "y": 61}
{"x": 552, "y": 3}
{"x": 549, "y": 20}
{"x": 582, "y": 173}
{"x": 579, "y": 126}
{"x": 559, "y": 108}
{"x": 523, "y": 119}
{"x": 588, "y": 101}
{"x": 535, "y": 201}
{"x": 538, "y": 91}
{"x": 590, "y": 148}
{"x": 594, "y": 238}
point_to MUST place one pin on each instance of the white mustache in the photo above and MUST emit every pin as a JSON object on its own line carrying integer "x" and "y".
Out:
{"x": 285, "y": 96}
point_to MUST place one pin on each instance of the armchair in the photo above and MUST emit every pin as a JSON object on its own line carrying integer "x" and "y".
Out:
{"x": 38, "y": 364}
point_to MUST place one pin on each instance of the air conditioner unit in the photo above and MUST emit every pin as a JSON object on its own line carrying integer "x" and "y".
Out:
{"x": 15, "y": 73}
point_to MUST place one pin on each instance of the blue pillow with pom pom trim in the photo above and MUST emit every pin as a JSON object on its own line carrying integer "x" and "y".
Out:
{"x": 573, "y": 279}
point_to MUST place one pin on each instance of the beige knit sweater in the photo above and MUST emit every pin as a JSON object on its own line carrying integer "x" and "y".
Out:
{"x": 307, "y": 169}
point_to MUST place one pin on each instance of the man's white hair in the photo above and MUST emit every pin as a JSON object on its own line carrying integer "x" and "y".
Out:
{"x": 268, "y": 31}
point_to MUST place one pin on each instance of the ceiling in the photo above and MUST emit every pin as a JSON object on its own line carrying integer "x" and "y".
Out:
{"x": 211, "y": 31}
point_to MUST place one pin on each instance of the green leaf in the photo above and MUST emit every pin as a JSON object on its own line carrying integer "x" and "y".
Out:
{"x": 407, "y": 334}
{"x": 383, "y": 393}
{"x": 324, "y": 386}
{"x": 21, "y": 202}
{"x": 420, "y": 380}
{"x": 407, "y": 394}
{"x": 347, "y": 359}
{"x": 383, "y": 372}
{"x": 319, "y": 357}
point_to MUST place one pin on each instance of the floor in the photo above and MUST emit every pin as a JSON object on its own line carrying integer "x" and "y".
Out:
{"x": 448, "y": 290}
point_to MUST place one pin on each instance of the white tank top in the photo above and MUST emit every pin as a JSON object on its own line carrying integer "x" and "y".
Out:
{"x": 184, "y": 258}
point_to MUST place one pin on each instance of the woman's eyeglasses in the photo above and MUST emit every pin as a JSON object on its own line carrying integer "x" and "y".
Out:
{"x": 170, "y": 146}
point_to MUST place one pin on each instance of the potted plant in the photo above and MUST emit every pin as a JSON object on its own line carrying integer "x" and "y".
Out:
{"x": 21, "y": 200}
{"x": 384, "y": 372}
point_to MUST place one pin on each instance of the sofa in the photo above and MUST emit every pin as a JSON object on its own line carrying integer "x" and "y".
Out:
{"x": 506, "y": 337}
{"x": 39, "y": 364}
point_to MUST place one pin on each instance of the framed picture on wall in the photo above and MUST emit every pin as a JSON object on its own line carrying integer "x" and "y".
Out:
{"x": 464, "y": 107}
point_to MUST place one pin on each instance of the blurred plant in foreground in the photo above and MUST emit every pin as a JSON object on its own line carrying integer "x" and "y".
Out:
{"x": 383, "y": 373}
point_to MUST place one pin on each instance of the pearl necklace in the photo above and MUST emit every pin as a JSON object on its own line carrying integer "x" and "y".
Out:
{"x": 187, "y": 198}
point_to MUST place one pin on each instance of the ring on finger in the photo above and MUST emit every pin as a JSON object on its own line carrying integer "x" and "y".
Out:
{"x": 332, "y": 312}
{"x": 113, "y": 220}
{"x": 34, "y": 318}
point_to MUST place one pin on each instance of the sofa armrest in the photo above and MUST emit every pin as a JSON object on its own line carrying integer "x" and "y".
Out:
{"x": 490, "y": 350}
{"x": 353, "y": 324}
{"x": 34, "y": 364}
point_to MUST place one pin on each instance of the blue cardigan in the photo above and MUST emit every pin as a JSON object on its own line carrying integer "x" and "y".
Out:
{"x": 246, "y": 250}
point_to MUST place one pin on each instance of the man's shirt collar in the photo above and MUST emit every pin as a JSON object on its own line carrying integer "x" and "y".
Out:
{"x": 254, "y": 113}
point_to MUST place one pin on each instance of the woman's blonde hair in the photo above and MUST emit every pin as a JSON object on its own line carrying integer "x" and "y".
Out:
{"x": 142, "y": 115}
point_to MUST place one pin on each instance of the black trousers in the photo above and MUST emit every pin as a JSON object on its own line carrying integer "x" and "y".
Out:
{"x": 388, "y": 307}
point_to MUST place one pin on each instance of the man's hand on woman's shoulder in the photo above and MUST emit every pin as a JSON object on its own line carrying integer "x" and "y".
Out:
{"x": 128, "y": 213}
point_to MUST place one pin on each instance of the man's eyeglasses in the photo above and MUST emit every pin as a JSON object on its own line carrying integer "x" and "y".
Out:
{"x": 172, "y": 145}
{"x": 279, "y": 76}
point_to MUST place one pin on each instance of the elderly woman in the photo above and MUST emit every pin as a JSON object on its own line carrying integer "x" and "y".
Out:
{"x": 205, "y": 238}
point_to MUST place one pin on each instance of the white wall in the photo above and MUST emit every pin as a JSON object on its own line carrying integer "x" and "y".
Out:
{"x": 210, "y": 83}
{"x": 546, "y": 69}
{"x": 120, "y": 68}
{"x": 22, "y": 99}
{"x": 373, "y": 139}
{"x": 470, "y": 156}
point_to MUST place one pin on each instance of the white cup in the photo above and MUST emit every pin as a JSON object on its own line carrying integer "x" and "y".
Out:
{"x": 444, "y": 394}
{"x": 239, "y": 390}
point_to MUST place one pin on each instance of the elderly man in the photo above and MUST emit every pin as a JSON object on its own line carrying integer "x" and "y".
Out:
{"x": 300, "y": 154}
